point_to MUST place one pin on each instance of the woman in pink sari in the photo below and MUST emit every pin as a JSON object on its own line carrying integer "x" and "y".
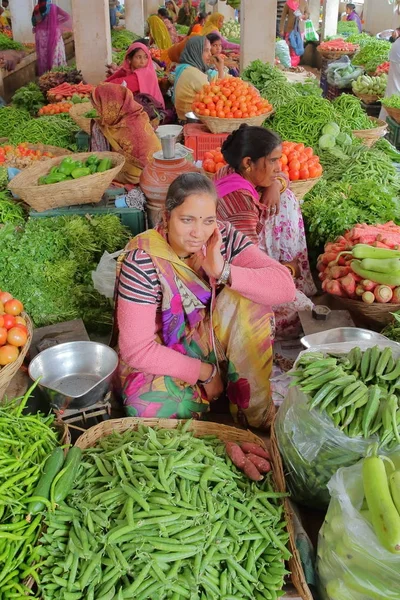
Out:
{"x": 49, "y": 23}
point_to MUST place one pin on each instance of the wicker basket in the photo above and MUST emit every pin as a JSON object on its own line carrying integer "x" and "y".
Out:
{"x": 54, "y": 150}
{"x": 370, "y": 136}
{"x": 225, "y": 433}
{"x": 376, "y": 315}
{"x": 367, "y": 98}
{"x": 394, "y": 113}
{"x": 301, "y": 188}
{"x": 217, "y": 125}
{"x": 66, "y": 193}
{"x": 295, "y": 565}
{"x": 335, "y": 54}
{"x": 76, "y": 113}
{"x": 8, "y": 372}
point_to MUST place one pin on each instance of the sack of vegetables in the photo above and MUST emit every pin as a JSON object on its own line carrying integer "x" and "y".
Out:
{"x": 343, "y": 398}
{"x": 64, "y": 181}
{"x": 357, "y": 557}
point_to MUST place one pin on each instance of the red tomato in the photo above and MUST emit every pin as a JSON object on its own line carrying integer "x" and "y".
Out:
{"x": 309, "y": 152}
{"x": 303, "y": 158}
{"x": 13, "y": 307}
{"x": 284, "y": 159}
{"x": 3, "y": 336}
{"x": 319, "y": 170}
{"x": 219, "y": 166}
{"x": 1, "y": 321}
{"x": 8, "y": 354}
{"x": 293, "y": 155}
{"x": 218, "y": 157}
{"x": 294, "y": 175}
{"x": 299, "y": 147}
{"x": 9, "y": 321}
{"x": 16, "y": 337}
{"x": 313, "y": 171}
{"x": 209, "y": 166}
{"x": 294, "y": 165}
{"x": 4, "y": 297}
{"x": 19, "y": 321}
{"x": 208, "y": 156}
{"x": 304, "y": 174}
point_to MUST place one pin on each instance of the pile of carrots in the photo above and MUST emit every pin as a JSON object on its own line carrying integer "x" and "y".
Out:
{"x": 338, "y": 45}
{"x": 340, "y": 279}
{"x": 55, "y": 109}
{"x": 65, "y": 91}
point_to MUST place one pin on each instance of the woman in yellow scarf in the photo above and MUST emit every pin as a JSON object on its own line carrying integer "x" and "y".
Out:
{"x": 159, "y": 33}
{"x": 214, "y": 25}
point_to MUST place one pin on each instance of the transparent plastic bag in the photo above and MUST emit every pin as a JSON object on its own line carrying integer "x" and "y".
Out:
{"x": 104, "y": 275}
{"x": 341, "y": 72}
{"x": 283, "y": 54}
{"x": 351, "y": 562}
{"x": 312, "y": 448}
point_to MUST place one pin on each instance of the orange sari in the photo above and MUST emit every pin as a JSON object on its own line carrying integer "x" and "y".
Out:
{"x": 127, "y": 128}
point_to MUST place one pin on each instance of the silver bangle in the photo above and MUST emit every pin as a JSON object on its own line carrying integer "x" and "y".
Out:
{"x": 209, "y": 380}
{"x": 226, "y": 272}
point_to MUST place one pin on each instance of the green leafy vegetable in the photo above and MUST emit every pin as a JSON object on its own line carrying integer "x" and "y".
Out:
{"x": 392, "y": 330}
{"x": 11, "y": 211}
{"x": 122, "y": 39}
{"x": 392, "y": 101}
{"x": 7, "y": 43}
{"x": 49, "y": 264}
{"x": 373, "y": 53}
{"x": 29, "y": 98}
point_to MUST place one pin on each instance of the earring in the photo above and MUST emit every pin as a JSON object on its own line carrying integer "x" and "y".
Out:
{"x": 248, "y": 169}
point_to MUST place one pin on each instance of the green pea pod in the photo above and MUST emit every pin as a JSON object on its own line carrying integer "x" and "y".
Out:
{"x": 104, "y": 165}
{"x": 80, "y": 172}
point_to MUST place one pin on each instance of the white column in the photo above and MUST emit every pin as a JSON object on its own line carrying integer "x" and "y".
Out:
{"x": 65, "y": 5}
{"x": 21, "y": 15}
{"x": 92, "y": 38}
{"x": 152, "y": 7}
{"x": 315, "y": 9}
{"x": 330, "y": 18}
{"x": 225, "y": 9}
{"x": 134, "y": 16}
{"x": 257, "y": 31}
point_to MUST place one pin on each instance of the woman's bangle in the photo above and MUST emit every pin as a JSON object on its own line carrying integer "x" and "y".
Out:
{"x": 291, "y": 269}
{"x": 209, "y": 380}
{"x": 226, "y": 272}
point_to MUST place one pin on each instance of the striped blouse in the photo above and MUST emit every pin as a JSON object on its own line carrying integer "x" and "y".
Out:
{"x": 139, "y": 281}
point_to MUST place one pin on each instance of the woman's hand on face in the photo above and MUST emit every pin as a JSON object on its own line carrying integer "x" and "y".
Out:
{"x": 271, "y": 199}
{"x": 215, "y": 388}
{"x": 213, "y": 262}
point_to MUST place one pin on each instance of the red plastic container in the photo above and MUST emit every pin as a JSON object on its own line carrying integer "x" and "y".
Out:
{"x": 200, "y": 140}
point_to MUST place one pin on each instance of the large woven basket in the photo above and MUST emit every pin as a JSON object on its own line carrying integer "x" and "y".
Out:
{"x": 301, "y": 188}
{"x": 370, "y": 136}
{"x": 335, "y": 54}
{"x": 66, "y": 193}
{"x": 225, "y": 433}
{"x": 8, "y": 372}
{"x": 367, "y": 98}
{"x": 393, "y": 112}
{"x": 76, "y": 113}
{"x": 375, "y": 315}
{"x": 296, "y": 567}
{"x": 217, "y": 125}
{"x": 54, "y": 150}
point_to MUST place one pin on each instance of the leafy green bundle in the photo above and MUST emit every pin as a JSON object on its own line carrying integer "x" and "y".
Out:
{"x": 29, "y": 98}
{"x": 49, "y": 264}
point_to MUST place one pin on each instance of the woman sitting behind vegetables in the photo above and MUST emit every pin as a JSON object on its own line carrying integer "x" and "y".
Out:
{"x": 217, "y": 59}
{"x": 159, "y": 34}
{"x": 190, "y": 74}
{"x": 254, "y": 198}
{"x": 137, "y": 73}
{"x": 186, "y": 14}
{"x": 166, "y": 19}
{"x": 124, "y": 127}
{"x": 194, "y": 313}
{"x": 214, "y": 25}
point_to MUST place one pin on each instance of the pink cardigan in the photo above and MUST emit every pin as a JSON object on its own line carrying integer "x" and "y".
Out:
{"x": 254, "y": 275}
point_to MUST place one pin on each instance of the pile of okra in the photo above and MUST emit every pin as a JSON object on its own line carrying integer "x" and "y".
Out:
{"x": 358, "y": 391}
{"x": 161, "y": 514}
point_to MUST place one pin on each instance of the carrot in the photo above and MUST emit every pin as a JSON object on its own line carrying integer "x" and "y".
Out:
{"x": 359, "y": 290}
{"x": 333, "y": 287}
{"x": 337, "y": 272}
{"x": 383, "y": 294}
{"x": 396, "y": 296}
{"x": 368, "y": 298}
{"x": 381, "y": 245}
{"x": 368, "y": 285}
{"x": 348, "y": 284}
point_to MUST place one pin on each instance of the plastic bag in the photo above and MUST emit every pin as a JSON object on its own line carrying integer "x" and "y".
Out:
{"x": 310, "y": 35}
{"x": 104, "y": 275}
{"x": 312, "y": 448}
{"x": 283, "y": 54}
{"x": 341, "y": 73}
{"x": 351, "y": 562}
{"x": 295, "y": 39}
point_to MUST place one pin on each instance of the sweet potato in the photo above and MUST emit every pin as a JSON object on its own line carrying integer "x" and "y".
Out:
{"x": 251, "y": 471}
{"x": 236, "y": 454}
{"x": 264, "y": 466}
{"x": 255, "y": 449}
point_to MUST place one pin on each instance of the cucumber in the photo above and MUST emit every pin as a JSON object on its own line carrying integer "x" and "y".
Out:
{"x": 52, "y": 466}
{"x": 64, "y": 485}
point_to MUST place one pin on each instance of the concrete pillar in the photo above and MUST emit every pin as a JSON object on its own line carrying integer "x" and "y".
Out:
{"x": 315, "y": 9}
{"x": 330, "y": 18}
{"x": 134, "y": 16}
{"x": 21, "y": 14}
{"x": 65, "y": 5}
{"x": 152, "y": 7}
{"x": 92, "y": 38}
{"x": 258, "y": 31}
{"x": 224, "y": 9}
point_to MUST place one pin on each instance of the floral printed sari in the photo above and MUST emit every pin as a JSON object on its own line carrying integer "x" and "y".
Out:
{"x": 226, "y": 329}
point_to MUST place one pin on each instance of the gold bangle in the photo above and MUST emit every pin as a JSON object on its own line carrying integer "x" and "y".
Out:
{"x": 284, "y": 184}
{"x": 291, "y": 269}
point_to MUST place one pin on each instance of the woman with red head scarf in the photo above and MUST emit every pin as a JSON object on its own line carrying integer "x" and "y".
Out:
{"x": 137, "y": 73}
{"x": 49, "y": 23}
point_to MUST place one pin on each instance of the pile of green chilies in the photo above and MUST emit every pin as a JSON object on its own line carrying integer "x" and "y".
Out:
{"x": 25, "y": 443}
{"x": 163, "y": 514}
{"x": 349, "y": 114}
{"x": 52, "y": 130}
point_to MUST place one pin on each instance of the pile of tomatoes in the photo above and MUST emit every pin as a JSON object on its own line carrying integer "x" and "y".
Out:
{"x": 230, "y": 98}
{"x": 213, "y": 161}
{"x": 56, "y": 108}
{"x": 21, "y": 156}
{"x": 13, "y": 329}
{"x": 299, "y": 162}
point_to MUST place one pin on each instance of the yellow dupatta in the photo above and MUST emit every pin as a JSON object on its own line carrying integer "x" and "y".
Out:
{"x": 159, "y": 32}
